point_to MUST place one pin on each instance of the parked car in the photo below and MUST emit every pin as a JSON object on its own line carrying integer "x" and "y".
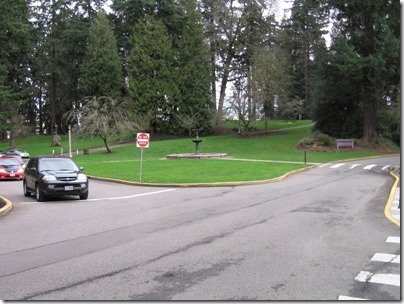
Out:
{"x": 17, "y": 157}
{"x": 21, "y": 153}
{"x": 2, "y": 153}
{"x": 53, "y": 176}
{"x": 10, "y": 169}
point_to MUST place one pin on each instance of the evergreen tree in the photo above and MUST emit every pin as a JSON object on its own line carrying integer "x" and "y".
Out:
{"x": 151, "y": 69}
{"x": 101, "y": 72}
{"x": 336, "y": 110}
{"x": 127, "y": 13}
{"x": 14, "y": 60}
{"x": 303, "y": 40}
{"x": 367, "y": 44}
{"x": 193, "y": 71}
{"x": 60, "y": 33}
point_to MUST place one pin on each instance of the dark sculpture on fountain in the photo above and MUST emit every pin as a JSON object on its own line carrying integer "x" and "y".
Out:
{"x": 197, "y": 140}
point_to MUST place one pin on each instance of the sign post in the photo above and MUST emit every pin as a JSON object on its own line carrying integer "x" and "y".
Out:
{"x": 142, "y": 141}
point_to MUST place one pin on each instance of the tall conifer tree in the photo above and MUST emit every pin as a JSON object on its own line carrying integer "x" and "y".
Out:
{"x": 101, "y": 72}
{"x": 151, "y": 70}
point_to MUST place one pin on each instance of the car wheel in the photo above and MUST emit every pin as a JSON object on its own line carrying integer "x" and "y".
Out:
{"x": 40, "y": 197}
{"x": 26, "y": 192}
{"x": 84, "y": 196}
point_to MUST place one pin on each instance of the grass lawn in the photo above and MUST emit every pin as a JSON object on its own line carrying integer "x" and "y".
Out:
{"x": 124, "y": 162}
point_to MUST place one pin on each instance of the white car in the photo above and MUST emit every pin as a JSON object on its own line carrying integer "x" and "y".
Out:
{"x": 21, "y": 153}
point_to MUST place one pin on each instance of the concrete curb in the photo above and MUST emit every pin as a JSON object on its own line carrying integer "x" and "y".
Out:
{"x": 388, "y": 207}
{"x": 7, "y": 208}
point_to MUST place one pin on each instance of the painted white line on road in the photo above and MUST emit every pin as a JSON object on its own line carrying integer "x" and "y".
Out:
{"x": 324, "y": 165}
{"x": 337, "y": 166}
{"x": 130, "y": 196}
{"x": 346, "y": 298}
{"x": 386, "y": 258}
{"x": 393, "y": 239}
{"x": 353, "y": 166}
{"x": 369, "y": 167}
{"x": 110, "y": 198}
{"x": 383, "y": 278}
{"x": 385, "y": 167}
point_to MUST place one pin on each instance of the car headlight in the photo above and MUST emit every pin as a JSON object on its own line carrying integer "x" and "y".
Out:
{"x": 49, "y": 178}
{"x": 81, "y": 177}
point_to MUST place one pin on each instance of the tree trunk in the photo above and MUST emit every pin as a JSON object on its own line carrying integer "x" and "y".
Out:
{"x": 370, "y": 116}
{"x": 106, "y": 144}
{"x": 222, "y": 95}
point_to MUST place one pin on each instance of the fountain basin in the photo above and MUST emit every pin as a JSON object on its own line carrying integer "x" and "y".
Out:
{"x": 196, "y": 155}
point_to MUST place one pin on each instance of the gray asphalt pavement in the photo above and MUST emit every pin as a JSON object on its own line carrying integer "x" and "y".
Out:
{"x": 309, "y": 237}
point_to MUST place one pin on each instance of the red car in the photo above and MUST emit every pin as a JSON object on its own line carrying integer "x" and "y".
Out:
{"x": 10, "y": 169}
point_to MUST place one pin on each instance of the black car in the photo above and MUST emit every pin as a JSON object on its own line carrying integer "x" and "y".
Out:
{"x": 54, "y": 176}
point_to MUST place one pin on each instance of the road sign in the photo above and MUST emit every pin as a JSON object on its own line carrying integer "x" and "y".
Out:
{"x": 142, "y": 140}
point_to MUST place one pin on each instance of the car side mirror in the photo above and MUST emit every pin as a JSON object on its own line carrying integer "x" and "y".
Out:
{"x": 81, "y": 169}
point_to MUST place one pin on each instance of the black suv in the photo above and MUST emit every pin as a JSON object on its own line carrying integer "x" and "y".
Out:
{"x": 54, "y": 176}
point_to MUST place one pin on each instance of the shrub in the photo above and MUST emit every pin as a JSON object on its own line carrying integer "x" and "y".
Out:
{"x": 324, "y": 139}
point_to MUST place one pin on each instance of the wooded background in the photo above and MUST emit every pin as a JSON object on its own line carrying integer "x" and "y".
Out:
{"x": 201, "y": 62}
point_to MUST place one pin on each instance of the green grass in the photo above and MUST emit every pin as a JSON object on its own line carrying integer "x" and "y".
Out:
{"x": 41, "y": 145}
{"x": 272, "y": 125}
{"x": 188, "y": 171}
{"x": 124, "y": 162}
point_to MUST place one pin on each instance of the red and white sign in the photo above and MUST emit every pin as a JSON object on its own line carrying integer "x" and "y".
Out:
{"x": 142, "y": 140}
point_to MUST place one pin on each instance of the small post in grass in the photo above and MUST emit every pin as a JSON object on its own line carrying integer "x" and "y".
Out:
{"x": 305, "y": 157}
{"x": 142, "y": 141}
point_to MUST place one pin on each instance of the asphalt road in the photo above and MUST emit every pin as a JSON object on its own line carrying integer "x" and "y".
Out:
{"x": 304, "y": 238}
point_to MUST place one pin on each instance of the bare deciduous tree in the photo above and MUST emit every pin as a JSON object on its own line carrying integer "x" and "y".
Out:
{"x": 188, "y": 121}
{"x": 101, "y": 116}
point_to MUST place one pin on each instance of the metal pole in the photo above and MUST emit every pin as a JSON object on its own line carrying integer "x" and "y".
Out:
{"x": 305, "y": 158}
{"x": 141, "y": 163}
{"x": 70, "y": 142}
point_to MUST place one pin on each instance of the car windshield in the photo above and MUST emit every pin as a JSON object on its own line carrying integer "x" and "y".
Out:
{"x": 57, "y": 165}
{"x": 18, "y": 159}
{"x": 9, "y": 162}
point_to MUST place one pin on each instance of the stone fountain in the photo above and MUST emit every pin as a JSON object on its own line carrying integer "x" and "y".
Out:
{"x": 197, "y": 153}
{"x": 196, "y": 140}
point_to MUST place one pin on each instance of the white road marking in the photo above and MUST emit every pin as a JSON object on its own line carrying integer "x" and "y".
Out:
{"x": 337, "y": 166}
{"x": 346, "y": 298}
{"x": 393, "y": 239}
{"x": 353, "y": 166}
{"x": 369, "y": 167}
{"x": 386, "y": 258}
{"x": 323, "y": 165}
{"x": 379, "y": 278}
{"x": 385, "y": 167}
{"x": 110, "y": 198}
